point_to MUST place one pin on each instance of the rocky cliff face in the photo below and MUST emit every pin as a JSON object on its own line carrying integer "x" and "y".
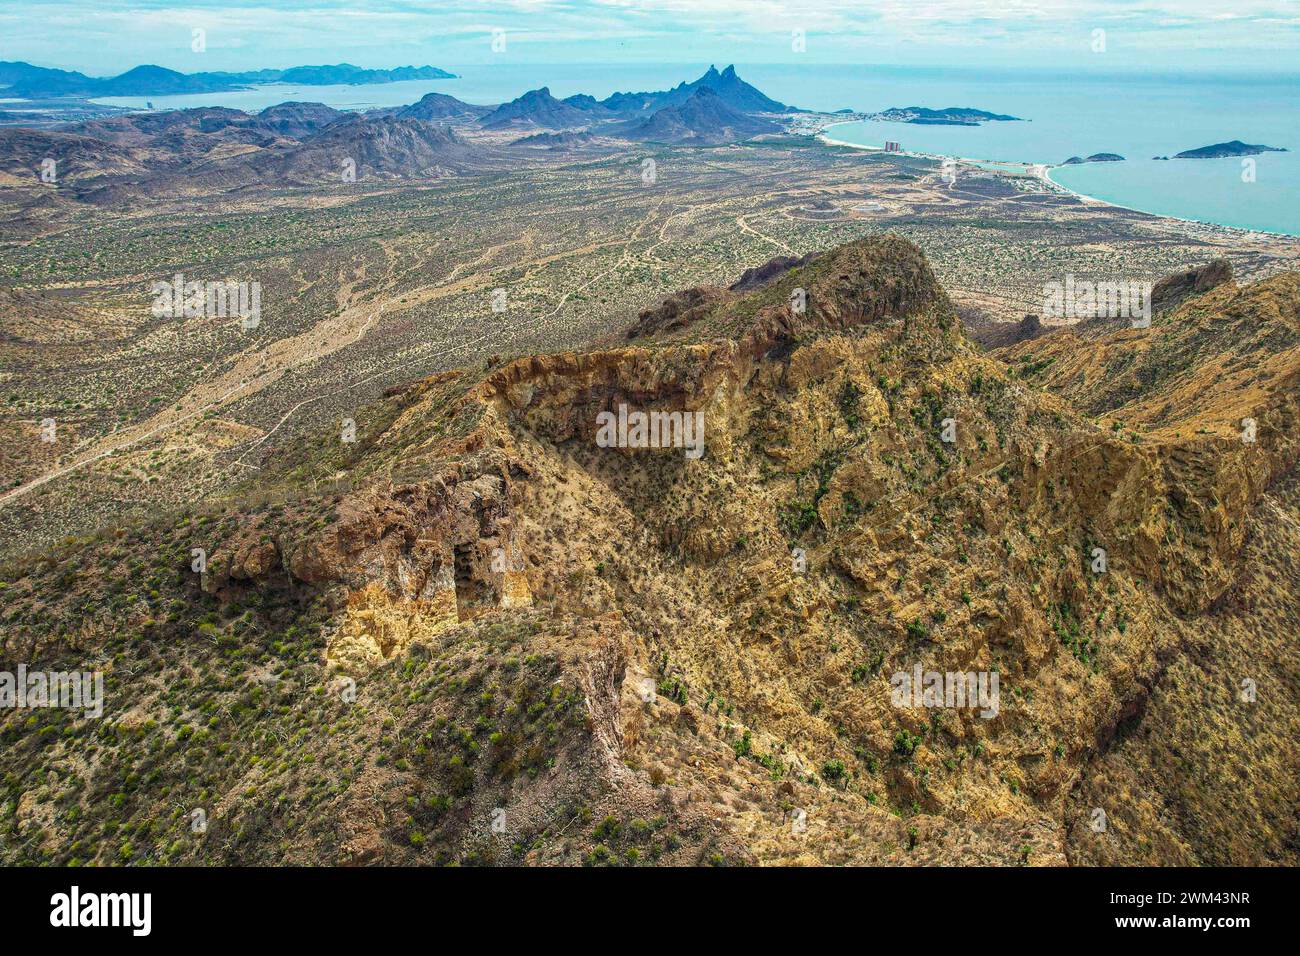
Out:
{"x": 632, "y": 654}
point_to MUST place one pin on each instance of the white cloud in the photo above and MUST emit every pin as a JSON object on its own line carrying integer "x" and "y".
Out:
{"x": 105, "y": 35}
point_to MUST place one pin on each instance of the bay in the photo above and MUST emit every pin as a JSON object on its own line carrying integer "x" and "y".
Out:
{"x": 1134, "y": 113}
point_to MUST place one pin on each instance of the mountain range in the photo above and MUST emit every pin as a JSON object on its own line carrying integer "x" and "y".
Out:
{"x": 26, "y": 81}
{"x": 725, "y": 103}
{"x": 110, "y": 159}
{"x": 539, "y": 108}
{"x": 704, "y": 118}
{"x": 440, "y": 106}
{"x": 734, "y": 92}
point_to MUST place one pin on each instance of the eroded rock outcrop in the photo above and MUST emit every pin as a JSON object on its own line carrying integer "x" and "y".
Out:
{"x": 413, "y": 559}
{"x": 1176, "y": 289}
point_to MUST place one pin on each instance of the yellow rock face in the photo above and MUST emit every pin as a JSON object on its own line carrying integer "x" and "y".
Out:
{"x": 376, "y": 626}
{"x": 515, "y": 591}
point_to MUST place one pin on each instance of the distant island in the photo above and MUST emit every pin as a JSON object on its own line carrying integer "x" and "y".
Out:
{"x": 25, "y": 81}
{"x": 1095, "y": 158}
{"x": 949, "y": 116}
{"x": 1219, "y": 150}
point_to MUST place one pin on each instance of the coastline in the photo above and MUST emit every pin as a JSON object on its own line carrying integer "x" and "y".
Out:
{"x": 1046, "y": 177}
{"x": 1011, "y": 165}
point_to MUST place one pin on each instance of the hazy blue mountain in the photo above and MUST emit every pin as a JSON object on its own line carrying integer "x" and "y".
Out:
{"x": 297, "y": 120}
{"x": 440, "y": 106}
{"x": 734, "y": 93}
{"x": 16, "y": 72}
{"x": 537, "y": 107}
{"x": 33, "y": 82}
{"x": 703, "y": 118}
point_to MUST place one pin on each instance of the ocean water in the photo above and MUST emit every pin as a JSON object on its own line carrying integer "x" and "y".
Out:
{"x": 1138, "y": 115}
{"x": 483, "y": 85}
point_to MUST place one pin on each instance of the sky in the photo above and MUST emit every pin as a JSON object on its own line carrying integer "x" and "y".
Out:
{"x": 103, "y": 37}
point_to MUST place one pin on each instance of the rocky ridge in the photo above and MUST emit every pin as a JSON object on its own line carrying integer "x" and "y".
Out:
{"x": 640, "y": 657}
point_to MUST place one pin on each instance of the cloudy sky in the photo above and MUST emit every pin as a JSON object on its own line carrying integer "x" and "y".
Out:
{"x": 108, "y": 36}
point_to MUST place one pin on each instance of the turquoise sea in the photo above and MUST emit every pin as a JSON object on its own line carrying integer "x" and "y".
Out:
{"x": 1138, "y": 115}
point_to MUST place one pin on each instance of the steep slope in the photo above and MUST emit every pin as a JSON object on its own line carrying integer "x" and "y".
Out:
{"x": 991, "y": 334}
{"x": 380, "y": 147}
{"x": 1222, "y": 713}
{"x": 146, "y": 80}
{"x": 16, "y": 73}
{"x": 586, "y": 103}
{"x": 536, "y": 108}
{"x": 37, "y": 83}
{"x": 1212, "y": 391}
{"x": 631, "y": 655}
{"x": 564, "y": 140}
{"x": 734, "y": 92}
{"x": 77, "y": 157}
{"x": 137, "y": 129}
{"x": 703, "y": 118}
{"x": 1175, "y": 289}
{"x": 190, "y": 152}
{"x": 298, "y": 120}
{"x": 439, "y": 106}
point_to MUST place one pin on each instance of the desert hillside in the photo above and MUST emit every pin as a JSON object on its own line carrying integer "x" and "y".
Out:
{"x": 492, "y": 639}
